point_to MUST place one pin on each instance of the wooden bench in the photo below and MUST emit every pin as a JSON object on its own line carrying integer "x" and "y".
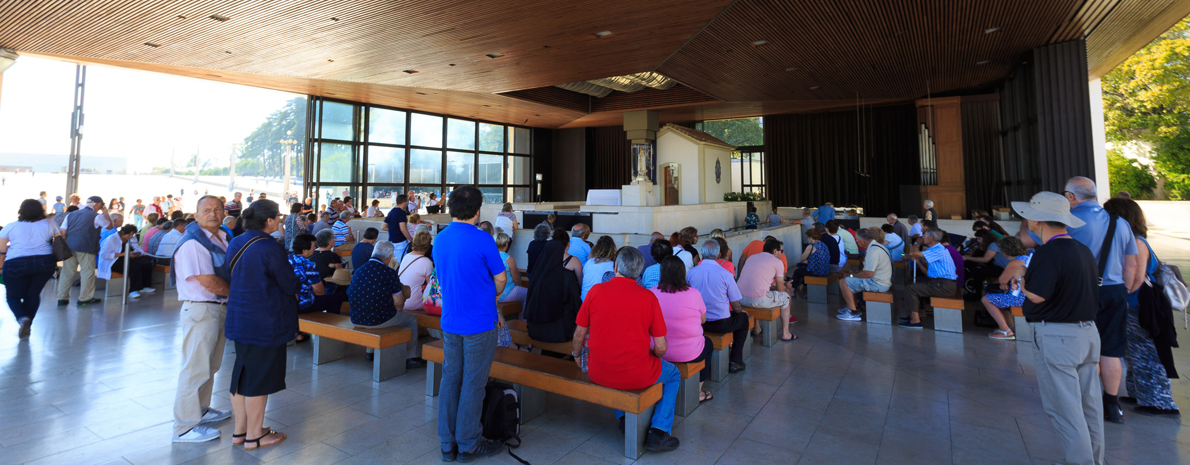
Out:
{"x": 510, "y": 309}
{"x": 524, "y": 277}
{"x": 163, "y": 272}
{"x": 1022, "y": 329}
{"x": 519, "y": 329}
{"x": 819, "y": 287}
{"x": 768, "y": 319}
{"x": 854, "y": 262}
{"x": 112, "y": 287}
{"x": 948, "y": 313}
{"x": 720, "y": 355}
{"x": 531, "y": 374}
{"x": 879, "y": 307}
{"x": 332, "y": 332}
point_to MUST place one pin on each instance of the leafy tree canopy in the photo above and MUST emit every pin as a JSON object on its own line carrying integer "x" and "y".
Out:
{"x": 1126, "y": 174}
{"x": 263, "y": 154}
{"x": 738, "y": 132}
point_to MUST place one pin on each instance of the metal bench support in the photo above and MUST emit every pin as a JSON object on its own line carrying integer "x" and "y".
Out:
{"x": 433, "y": 378}
{"x": 688, "y": 393}
{"x": 948, "y": 319}
{"x": 532, "y": 402}
{"x": 327, "y": 350}
{"x": 636, "y": 429}
{"x": 879, "y": 313}
{"x": 720, "y": 361}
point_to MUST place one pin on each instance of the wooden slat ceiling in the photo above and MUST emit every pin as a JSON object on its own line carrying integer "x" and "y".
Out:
{"x": 879, "y": 50}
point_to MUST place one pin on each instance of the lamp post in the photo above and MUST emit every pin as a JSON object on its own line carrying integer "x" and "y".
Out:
{"x": 288, "y": 144}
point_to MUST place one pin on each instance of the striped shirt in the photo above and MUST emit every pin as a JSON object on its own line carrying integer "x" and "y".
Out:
{"x": 940, "y": 264}
{"x": 342, "y": 231}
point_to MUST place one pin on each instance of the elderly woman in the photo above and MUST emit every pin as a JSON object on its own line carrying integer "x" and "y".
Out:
{"x": 111, "y": 259}
{"x": 541, "y": 235}
{"x": 261, "y": 320}
{"x": 27, "y": 261}
{"x": 416, "y": 268}
{"x": 512, "y": 292}
{"x": 295, "y": 224}
{"x": 684, "y": 312}
{"x": 506, "y": 220}
{"x": 999, "y": 304}
{"x": 815, "y": 260}
{"x": 601, "y": 265}
{"x": 554, "y": 294}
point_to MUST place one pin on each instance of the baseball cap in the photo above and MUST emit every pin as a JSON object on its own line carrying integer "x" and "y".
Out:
{"x": 58, "y": 197}
{"x": 94, "y": 199}
{"x": 1047, "y": 206}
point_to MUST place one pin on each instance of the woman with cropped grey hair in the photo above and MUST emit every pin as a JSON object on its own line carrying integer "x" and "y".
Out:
{"x": 541, "y": 235}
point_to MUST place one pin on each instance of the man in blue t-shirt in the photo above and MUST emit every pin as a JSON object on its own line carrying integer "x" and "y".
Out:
{"x": 397, "y": 225}
{"x": 469, "y": 273}
{"x": 824, "y": 213}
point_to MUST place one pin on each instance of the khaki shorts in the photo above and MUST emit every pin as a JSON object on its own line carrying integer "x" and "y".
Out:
{"x": 774, "y": 299}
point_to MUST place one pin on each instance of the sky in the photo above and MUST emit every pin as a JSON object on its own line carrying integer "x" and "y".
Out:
{"x": 140, "y": 115}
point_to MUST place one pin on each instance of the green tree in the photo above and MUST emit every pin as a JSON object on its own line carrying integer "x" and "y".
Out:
{"x": 1148, "y": 98}
{"x": 738, "y": 132}
{"x": 1126, "y": 174}
{"x": 263, "y": 154}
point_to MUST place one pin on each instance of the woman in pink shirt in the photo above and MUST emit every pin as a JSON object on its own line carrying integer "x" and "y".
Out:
{"x": 684, "y": 312}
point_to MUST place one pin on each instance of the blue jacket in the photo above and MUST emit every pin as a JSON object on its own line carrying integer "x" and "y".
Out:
{"x": 262, "y": 308}
{"x": 218, "y": 257}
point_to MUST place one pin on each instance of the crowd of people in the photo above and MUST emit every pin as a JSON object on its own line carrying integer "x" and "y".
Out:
{"x": 1081, "y": 271}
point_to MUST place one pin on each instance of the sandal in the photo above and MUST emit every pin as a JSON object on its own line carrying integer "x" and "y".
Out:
{"x": 792, "y": 338}
{"x": 238, "y": 439}
{"x": 707, "y": 395}
{"x": 259, "y": 445}
{"x": 301, "y": 337}
{"x": 1002, "y": 335}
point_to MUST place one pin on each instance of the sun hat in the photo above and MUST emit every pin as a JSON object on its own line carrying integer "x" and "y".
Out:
{"x": 341, "y": 277}
{"x": 1047, "y": 206}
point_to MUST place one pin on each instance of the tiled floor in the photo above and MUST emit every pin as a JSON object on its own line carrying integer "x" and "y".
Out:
{"x": 96, "y": 385}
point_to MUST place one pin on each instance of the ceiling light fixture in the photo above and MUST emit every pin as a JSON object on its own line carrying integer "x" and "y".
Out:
{"x": 983, "y": 62}
{"x": 330, "y": 60}
{"x": 602, "y": 34}
{"x": 494, "y": 55}
{"x": 791, "y": 68}
{"x": 757, "y": 43}
{"x": 227, "y": 52}
{"x": 334, "y": 19}
{"x": 814, "y": 87}
{"x": 181, "y": 17}
{"x": 991, "y": 30}
{"x": 219, "y": 18}
{"x": 153, "y": 44}
{"x": 410, "y": 71}
{"x": 452, "y": 64}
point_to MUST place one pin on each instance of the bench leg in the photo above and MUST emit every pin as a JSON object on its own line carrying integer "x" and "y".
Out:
{"x": 687, "y": 396}
{"x": 114, "y": 287}
{"x": 1023, "y": 331}
{"x": 948, "y": 319}
{"x": 816, "y": 294}
{"x": 636, "y": 429}
{"x": 388, "y": 362}
{"x": 768, "y": 332}
{"x": 879, "y": 313}
{"x": 433, "y": 378}
{"x": 532, "y": 402}
{"x": 832, "y": 288}
{"x": 327, "y": 350}
{"x": 720, "y": 360}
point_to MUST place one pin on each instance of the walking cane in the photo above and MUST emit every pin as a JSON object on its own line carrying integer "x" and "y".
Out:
{"x": 127, "y": 278}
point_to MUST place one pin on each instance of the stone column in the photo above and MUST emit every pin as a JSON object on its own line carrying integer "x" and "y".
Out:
{"x": 7, "y": 58}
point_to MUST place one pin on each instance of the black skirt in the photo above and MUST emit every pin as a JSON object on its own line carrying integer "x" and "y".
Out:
{"x": 258, "y": 371}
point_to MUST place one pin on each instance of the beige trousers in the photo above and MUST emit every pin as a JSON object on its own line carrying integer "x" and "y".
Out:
{"x": 202, "y": 354}
{"x": 85, "y": 262}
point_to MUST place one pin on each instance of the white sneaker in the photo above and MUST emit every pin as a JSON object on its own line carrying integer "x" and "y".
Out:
{"x": 148, "y": 290}
{"x": 198, "y": 434}
{"x": 849, "y": 316}
{"x": 213, "y": 415}
{"x": 843, "y": 310}
{"x": 133, "y": 295}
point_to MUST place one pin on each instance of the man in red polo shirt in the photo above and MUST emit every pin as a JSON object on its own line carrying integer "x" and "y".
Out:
{"x": 622, "y": 318}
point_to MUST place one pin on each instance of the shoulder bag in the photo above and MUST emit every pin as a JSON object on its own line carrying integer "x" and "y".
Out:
{"x": 236, "y": 259}
{"x": 61, "y": 251}
{"x": 1105, "y": 248}
{"x": 405, "y": 289}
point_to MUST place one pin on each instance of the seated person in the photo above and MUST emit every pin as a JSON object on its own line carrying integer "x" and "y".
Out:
{"x": 416, "y": 270}
{"x": 170, "y": 241}
{"x": 601, "y": 265}
{"x": 725, "y": 256}
{"x": 374, "y": 210}
{"x": 621, "y": 319}
{"x": 578, "y": 242}
{"x": 376, "y": 299}
{"x": 762, "y": 285}
{"x": 751, "y": 220}
{"x": 722, "y": 298}
{"x": 684, "y": 312}
{"x": 875, "y": 277}
{"x": 936, "y": 277}
{"x": 775, "y": 218}
{"x": 894, "y": 243}
{"x": 230, "y": 224}
{"x": 111, "y": 260}
{"x": 554, "y": 294}
{"x": 153, "y": 244}
{"x": 362, "y": 250}
{"x": 838, "y": 251}
{"x": 987, "y": 261}
{"x": 342, "y": 230}
{"x": 753, "y": 248}
{"x": 849, "y": 245}
{"x": 999, "y": 304}
{"x": 326, "y": 261}
{"x": 541, "y": 235}
{"x": 815, "y": 260}
{"x": 148, "y": 235}
{"x": 313, "y": 296}
{"x": 513, "y": 291}
{"x": 324, "y": 222}
{"x": 659, "y": 249}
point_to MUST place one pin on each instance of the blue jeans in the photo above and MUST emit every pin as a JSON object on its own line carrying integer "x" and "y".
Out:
{"x": 663, "y": 414}
{"x": 24, "y": 278}
{"x": 467, "y": 361}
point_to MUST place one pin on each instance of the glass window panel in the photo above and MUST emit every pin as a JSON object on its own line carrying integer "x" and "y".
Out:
{"x": 518, "y": 194}
{"x": 335, "y": 163}
{"x": 492, "y": 194}
{"x": 520, "y": 140}
{"x": 386, "y": 126}
{"x": 386, "y": 165}
{"x": 337, "y": 120}
{"x": 460, "y": 134}
{"x": 423, "y": 196}
{"x": 491, "y": 137}
{"x": 737, "y": 181}
{"x": 460, "y": 168}
{"x": 518, "y": 170}
{"x": 757, "y": 165}
{"x": 387, "y": 195}
{"x": 325, "y": 193}
{"x": 425, "y": 166}
{"x": 426, "y": 130}
{"x": 491, "y": 169}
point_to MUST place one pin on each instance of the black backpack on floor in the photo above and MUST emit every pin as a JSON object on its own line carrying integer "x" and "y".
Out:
{"x": 501, "y": 416}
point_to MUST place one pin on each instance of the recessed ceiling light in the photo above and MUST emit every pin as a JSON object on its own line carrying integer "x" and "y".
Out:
{"x": 791, "y": 68}
{"x": 814, "y": 87}
{"x": 494, "y": 55}
{"x": 410, "y": 71}
{"x": 219, "y": 18}
{"x": 181, "y": 17}
{"x": 330, "y": 60}
{"x": 334, "y": 19}
{"x": 452, "y": 64}
{"x": 983, "y": 62}
{"x": 758, "y": 43}
{"x": 227, "y": 52}
{"x": 991, "y": 30}
{"x": 602, "y": 34}
{"x": 153, "y": 44}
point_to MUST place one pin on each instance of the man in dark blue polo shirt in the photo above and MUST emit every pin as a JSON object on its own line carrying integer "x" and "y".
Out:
{"x": 376, "y": 299}
{"x": 397, "y": 225}
{"x": 469, "y": 272}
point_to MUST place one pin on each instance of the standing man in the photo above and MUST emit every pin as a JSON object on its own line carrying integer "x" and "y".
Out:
{"x": 1061, "y": 306}
{"x": 201, "y": 276}
{"x": 875, "y": 277}
{"x": 932, "y": 259}
{"x": 471, "y": 276}
{"x": 1114, "y": 269}
{"x": 59, "y": 207}
{"x": 397, "y": 225}
{"x": 42, "y": 201}
{"x": 824, "y": 213}
{"x": 234, "y": 206}
{"x": 930, "y": 213}
{"x": 82, "y": 235}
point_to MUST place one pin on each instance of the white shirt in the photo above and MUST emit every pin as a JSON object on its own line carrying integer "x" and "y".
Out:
{"x": 169, "y": 243}
{"x": 842, "y": 250}
{"x": 107, "y": 254}
{"x": 27, "y": 239}
{"x": 687, "y": 259}
{"x": 373, "y": 211}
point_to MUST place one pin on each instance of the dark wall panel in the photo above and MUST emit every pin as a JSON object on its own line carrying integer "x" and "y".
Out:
{"x": 543, "y": 161}
{"x": 982, "y": 160}
{"x": 822, "y": 157}
{"x": 567, "y": 176}
{"x": 609, "y": 160}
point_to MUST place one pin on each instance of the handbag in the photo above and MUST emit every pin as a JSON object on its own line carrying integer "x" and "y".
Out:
{"x": 61, "y": 251}
{"x": 405, "y": 289}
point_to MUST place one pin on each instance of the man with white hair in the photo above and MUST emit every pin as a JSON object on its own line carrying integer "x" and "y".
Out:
{"x": 721, "y": 295}
{"x": 376, "y": 299}
{"x": 578, "y": 242}
{"x": 930, "y": 213}
{"x": 899, "y": 228}
{"x": 1115, "y": 267}
{"x": 939, "y": 280}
